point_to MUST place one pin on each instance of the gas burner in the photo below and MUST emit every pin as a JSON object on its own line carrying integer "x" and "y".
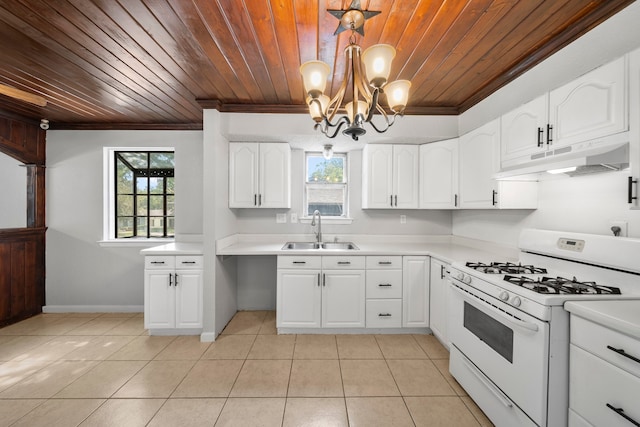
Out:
{"x": 505, "y": 268}
{"x": 560, "y": 285}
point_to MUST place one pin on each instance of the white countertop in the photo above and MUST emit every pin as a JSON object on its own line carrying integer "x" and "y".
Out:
{"x": 622, "y": 316}
{"x": 445, "y": 248}
{"x": 176, "y": 248}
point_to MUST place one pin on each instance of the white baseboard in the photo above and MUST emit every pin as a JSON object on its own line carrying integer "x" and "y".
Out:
{"x": 207, "y": 337}
{"x": 93, "y": 309}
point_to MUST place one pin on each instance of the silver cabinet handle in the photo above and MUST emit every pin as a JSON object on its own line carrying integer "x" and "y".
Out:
{"x": 318, "y": 279}
{"x": 344, "y": 262}
{"x": 157, "y": 262}
{"x": 259, "y": 199}
{"x": 299, "y": 262}
{"x": 170, "y": 279}
{"x": 385, "y": 285}
{"x": 176, "y": 280}
{"x": 396, "y": 198}
{"x": 187, "y": 262}
{"x": 384, "y": 263}
{"x": 384, "y": 314}
{"x": 324, "y": 280}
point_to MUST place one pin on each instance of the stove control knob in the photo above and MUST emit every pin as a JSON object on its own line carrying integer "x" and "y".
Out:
{"x": 460, "y": 276}
{"x": 516, "y": 302}
{"x": 504, "y": 296}
{"x": 467, "y": 279}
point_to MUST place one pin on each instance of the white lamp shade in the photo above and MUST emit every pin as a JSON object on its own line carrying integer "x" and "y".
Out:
{"x": 397, "y": 94}
{"x": 314, "y": 77}
{"x": 362, "y": 109}
{"x": 318, "y": 111}
{"x": 377, "y": 63}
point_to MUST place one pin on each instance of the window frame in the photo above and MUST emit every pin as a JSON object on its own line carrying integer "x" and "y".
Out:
{"x": 344, "y": 218}
{"x": 109, "y": 200}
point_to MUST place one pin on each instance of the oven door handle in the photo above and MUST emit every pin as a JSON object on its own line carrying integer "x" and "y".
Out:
{"x": 520, "y": 324}
{"x": 487, "y": 383}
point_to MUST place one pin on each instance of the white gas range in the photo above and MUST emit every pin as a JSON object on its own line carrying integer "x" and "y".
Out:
{"x": 509, "y": 331}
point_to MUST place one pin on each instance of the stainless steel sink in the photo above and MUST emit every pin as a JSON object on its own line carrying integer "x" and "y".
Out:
{"x": 305, "y": 246}
{"x": 300, "y": 246}
{"x": 339, "y": 246}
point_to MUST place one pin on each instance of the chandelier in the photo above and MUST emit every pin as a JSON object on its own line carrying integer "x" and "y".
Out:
{"x": 365, "y": 75}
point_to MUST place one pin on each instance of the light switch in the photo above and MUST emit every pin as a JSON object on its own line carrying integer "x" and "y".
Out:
{"x": 294, "y": 218}
{"x": 281, "y": 218}
{"x": 403, "y": 219}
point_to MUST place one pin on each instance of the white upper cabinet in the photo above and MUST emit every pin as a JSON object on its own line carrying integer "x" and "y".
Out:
{"x": 259, "y": 175}
{"x": 592, "y": 106}
{"x": 390, "y": 176}
{"x": 524, "y": 131}
{"x": 633, "y": 190}
{"x": 478, "y": 164}
{"x": 439, "y": 175}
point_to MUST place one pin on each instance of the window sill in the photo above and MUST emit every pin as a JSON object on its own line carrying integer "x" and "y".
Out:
{"x": 130, "y": 243}
{"x": 328, "y": 220}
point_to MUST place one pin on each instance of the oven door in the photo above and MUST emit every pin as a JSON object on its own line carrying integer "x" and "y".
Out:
{"x": 509, "y": 348}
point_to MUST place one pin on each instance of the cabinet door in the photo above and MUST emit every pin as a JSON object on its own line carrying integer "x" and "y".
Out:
{"x": 438, "y": 300}
{"x": 275, "y": 176}
{"x": 299, "y": 297}
{"x": 377, "y": 176}
{"x": 478, "y": 164}
{"x": 439, "y": 175}
{"x": 406, "y": 162}
{"x": 415, "y": 291}
{"x": 592, "y": 106}
{"x": 633, "y": 190}
{"x": 343, "y": 299}
{"x": 159, "y": 299}
{"x": 243, "y": 178}
{"x": 188, "y": 287}
{"x": 524, "y": 132}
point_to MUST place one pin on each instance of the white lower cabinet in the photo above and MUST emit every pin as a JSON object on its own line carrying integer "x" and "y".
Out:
{"x": 316, "y": 291}
{"x": 415, "y": 291}
{"x": 439, "y": 283}
{"x": 173, "y": 292}
{"x": 384, "y": 291}
{"x": 604, "y": 376}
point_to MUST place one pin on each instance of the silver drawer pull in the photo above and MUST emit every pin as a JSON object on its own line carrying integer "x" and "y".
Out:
{"x": 385, "y": 285}
{"x": 344, "y": 262}
{"x": 385, "y": 262}
{"x": 188, "y": 262}
{"x": 620, "y": 412}
{"x": 299, "y": 262}
{"x": 157, "y": 262}
{"x": 384, "y": 315}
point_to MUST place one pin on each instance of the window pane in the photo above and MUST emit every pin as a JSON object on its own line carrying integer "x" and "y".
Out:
{"x": 125, "y": 227}
{"x": 156, "y": 205}
{"x": 162, "y": 160}
{"x": 124, "y": 178}
{"x": 125, "y": 206}
{"x": 171, "y": 226}
{"x": 157, "y": 226}
{"x": 171, "y": 204}
{"x": 329, "y": 199}
{"x": 136, "y": 159}
{"x": 170, "y": 185}
{"x": 142, "y": 227}
{"x": 156, "y": 185}
{"x": 142, "y": 185}
{"x": 141, "y": 205}
{"x": 321, "y": 170}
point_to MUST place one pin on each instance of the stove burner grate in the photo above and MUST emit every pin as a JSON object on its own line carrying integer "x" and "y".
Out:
{"x": 505, "y": 268}
{"x": 561, "y": 285}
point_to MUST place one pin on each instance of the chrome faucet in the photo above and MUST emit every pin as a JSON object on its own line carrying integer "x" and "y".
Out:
{"x": 313, "y": 224}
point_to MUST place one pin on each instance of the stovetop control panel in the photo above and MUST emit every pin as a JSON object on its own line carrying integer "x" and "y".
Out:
{"x": 573, "y": 245}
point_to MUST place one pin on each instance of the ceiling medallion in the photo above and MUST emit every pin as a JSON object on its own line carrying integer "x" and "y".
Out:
{"x": 365, "y": 76}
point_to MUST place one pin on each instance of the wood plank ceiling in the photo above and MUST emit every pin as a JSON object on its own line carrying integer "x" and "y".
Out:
{"x": 147, "y": 63}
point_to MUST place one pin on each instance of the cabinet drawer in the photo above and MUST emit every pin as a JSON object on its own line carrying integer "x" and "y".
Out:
{"x": 186, "y": 262}
{"x": 343, "y": 262}
{"x": 159, "y": 262}
{"x": 595, "y": 383}
{"x": 293, "y": 261}
{"x": 384, "y": 313}
{"x": 597, "y": 339}
{"x": 386, "y": 262}
{"x": 384, "y": 284}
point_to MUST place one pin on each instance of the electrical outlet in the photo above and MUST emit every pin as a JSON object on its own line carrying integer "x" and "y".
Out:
{"x": 403, "y": 219}
{"x": 620, "y": 224}
{"x": 294, "y": 218}
{"x": 281, "y": 218}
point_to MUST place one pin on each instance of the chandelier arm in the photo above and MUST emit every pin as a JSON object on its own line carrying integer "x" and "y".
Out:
{"x": 338, "y": 125}
{"x": 336, "y": 101}
{"x": 374, "y": 103}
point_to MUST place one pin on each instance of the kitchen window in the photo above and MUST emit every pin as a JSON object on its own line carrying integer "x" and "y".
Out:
{"x": 139, "y": 194}
{"x": 326, "y": 185}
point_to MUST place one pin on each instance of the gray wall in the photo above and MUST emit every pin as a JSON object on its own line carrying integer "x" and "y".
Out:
{"x": 80, "y": 272}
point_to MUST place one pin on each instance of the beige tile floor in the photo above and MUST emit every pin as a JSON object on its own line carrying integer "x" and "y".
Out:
{"x": 103, "y": 370}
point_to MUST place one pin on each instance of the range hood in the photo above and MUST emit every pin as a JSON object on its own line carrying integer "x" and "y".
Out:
{"x": 575, "y": 160}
